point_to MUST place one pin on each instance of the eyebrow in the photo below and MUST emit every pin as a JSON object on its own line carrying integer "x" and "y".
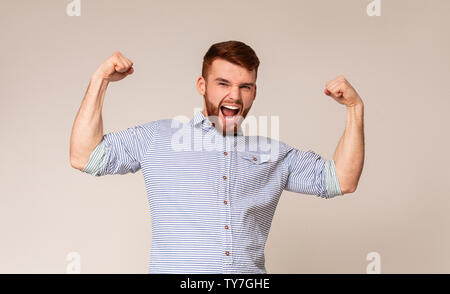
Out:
{"x": 226, "y": 81}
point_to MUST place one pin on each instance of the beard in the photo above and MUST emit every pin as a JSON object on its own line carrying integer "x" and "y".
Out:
{"x": 216, "y": 116}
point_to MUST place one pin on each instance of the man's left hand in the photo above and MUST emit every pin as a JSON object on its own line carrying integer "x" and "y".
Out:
{"x": 341, "y": 91}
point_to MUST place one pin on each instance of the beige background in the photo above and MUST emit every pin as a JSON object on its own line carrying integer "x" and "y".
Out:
{"x": 398, "y": 62}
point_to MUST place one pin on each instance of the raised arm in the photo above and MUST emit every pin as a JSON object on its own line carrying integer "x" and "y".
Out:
{"x": 87, "y": 130}
{"x": 349, "y": 154}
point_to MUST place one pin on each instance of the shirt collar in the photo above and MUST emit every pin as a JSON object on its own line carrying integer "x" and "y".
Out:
{"x": 199, "y": 119}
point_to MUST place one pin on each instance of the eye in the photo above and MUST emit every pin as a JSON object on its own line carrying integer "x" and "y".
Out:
{"x": 222, "y": 84}
{"x": 246, "y": 87}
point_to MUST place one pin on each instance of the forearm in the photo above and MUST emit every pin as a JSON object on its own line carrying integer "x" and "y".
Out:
{"x": 87, "y": 131}
{"x": 349, "y": 154}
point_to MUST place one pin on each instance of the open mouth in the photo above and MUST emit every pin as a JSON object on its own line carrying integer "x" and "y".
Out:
{"x": 230, "y": 112}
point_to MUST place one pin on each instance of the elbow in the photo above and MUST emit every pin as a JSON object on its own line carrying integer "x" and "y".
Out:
{"x": 76, "y": 163}
{"x": 78, "y": 159}
{"x": 348, "y": 189}
{"x": 348, "y": 184}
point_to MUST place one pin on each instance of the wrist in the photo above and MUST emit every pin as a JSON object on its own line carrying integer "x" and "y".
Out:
{"x": 357, "y": 105}
{"x": 98, "y": 85}
{"x": 355, "y": 111}
{"x": 99, "y": 78}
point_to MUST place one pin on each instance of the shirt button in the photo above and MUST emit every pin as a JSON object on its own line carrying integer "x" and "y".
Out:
{"x": 225, "y": 153}
{"x": 226, "y": 227}
{"x": 224, "y": 177}
{"x": 225, "y": 202}
{"x": 255, "y": 159}
{"x": 227, "y": 253}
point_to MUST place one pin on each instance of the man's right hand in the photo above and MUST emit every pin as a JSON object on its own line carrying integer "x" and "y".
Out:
{"x": 115, "y": 68}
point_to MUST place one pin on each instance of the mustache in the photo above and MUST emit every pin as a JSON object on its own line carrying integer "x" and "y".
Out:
{"x": 237, "y": 102}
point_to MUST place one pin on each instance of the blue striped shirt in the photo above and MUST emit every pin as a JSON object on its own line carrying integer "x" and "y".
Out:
{"x": 211, "y": 197}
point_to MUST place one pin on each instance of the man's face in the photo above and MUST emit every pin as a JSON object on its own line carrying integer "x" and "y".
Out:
{"x": 228, "y": 91}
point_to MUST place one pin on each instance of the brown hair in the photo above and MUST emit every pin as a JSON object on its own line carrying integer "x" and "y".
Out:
{"x": 232, "y": 51}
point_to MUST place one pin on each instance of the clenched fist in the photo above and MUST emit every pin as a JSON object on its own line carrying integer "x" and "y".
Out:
{"x": 341, "y": 90}
{"x": 115, "y": 68}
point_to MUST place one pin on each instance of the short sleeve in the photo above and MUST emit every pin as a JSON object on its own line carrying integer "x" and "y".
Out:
{"x": 310, "y": 173}
{"x": 333, "y": 186}
{"x": 97, "y": 159}
{"x": 121, "y": 152}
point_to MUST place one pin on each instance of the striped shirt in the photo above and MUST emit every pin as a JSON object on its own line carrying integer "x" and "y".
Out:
{"x": 211, "y": 197}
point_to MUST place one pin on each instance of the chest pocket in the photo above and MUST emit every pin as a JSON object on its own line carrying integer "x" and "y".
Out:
{"x": 254, "y": 177}
{"x": 255, "y": 158}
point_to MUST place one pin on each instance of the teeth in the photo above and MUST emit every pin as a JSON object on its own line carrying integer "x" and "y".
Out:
{"x": 231, "y": 107}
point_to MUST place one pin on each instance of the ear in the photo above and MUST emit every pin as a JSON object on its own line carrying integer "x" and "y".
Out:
{"x": 201, "y": 86}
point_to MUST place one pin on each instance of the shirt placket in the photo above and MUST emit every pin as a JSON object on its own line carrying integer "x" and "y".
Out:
{"x": 226, "y": 219}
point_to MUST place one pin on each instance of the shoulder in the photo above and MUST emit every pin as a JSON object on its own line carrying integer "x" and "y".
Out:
{"x": 165, "y": 125}
{"x": 161, "y": 124}
{"x": 267, "y": 145}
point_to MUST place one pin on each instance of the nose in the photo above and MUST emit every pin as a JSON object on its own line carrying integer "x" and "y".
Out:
{"x": 235, "y": 93}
